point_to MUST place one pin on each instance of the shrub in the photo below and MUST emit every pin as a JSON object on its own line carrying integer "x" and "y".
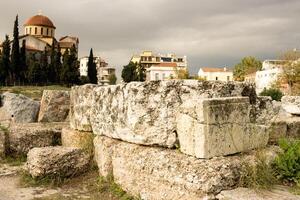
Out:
{"x": 274, "y": 93}
{"x": 258, "y": 175}
{"x": 287, "y": 163}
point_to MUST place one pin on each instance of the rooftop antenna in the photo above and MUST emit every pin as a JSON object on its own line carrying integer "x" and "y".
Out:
{"x": 40, "y": 12}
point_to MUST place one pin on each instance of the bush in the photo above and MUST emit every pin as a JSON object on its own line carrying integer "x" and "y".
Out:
{"x": 258, "y": 175}
{"x": 287, "y": 163}
{"x": 275, "y": 94}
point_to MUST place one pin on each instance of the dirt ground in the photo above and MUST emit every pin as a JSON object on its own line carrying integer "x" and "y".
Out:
{"x": 83, "y": 187}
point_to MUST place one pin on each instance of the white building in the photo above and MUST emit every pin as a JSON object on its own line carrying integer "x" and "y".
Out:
{"x": 271, "y": 69}
{"x": 215, "y": 74}
{"x": 163, "y": 71}
{"x": 103, "y": 70}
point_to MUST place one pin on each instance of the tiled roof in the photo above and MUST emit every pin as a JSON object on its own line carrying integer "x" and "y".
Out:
{"x": 214, "y": 69}
{"x": 39, "y": 20}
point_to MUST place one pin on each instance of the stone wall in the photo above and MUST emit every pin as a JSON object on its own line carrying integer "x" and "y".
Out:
{"x": 142, "y": 113}
{"x": 150, "y": 135}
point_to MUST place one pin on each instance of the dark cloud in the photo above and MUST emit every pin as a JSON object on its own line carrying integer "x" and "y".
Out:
{"x": 210, "y": 33}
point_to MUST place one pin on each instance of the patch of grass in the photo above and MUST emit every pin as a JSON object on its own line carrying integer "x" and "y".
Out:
{"x": 53, "y": 181}
{"x": 34, "y": 92}
{"x": 295, "y": 190}
{"x": 14, "y": 161}
{"x": 259, "y": 175}
{"x": 107, "y": 184}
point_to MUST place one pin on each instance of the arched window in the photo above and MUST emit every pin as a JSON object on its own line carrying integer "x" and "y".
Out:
{"x": 42, "y": 31}
{"x": 47, "y": 31}
{"x": 35, "y": 30}
{"x": 30, "y": 30}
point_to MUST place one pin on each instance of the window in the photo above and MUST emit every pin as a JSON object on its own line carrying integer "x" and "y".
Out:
{"x": 35, "y": 30}
{"x": 228, "y": 78}
{"x": 156, "y": 76}
{"x": 217, "y": 78}
{"x": 42, "y": 31}
{"x": 30, "y": 31}
{"x": 163, "y": 76}
{"x": 47, "y": 31}
{"x": 205, "y": 77}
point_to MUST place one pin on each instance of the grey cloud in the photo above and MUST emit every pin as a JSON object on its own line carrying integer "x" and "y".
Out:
{"x": 210, "y": 33}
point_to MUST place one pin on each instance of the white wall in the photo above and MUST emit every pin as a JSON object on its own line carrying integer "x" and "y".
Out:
{"x": 213, "y": 76}
{"x": 266, "y": 78}
{"x": 161, "y": 73}
{"x": 83, "y": 66}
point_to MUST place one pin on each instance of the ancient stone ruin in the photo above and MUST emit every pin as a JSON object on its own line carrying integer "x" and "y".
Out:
{"x": 159, "y": 140}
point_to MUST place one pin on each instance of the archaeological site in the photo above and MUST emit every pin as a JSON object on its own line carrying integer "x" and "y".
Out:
{"x": 157, "y": 140}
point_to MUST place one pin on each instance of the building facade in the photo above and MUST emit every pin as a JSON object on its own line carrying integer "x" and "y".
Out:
{"x": 267, "y": 77}
{"x": 215, "y": 74}
{"x": 162, "y": 71}
{"x": 160, "y": 66}
{"x": 39, "y": 35}
{"x": 103, "y": 70}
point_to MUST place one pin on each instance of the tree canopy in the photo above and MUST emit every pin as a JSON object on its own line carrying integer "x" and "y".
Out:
{"x": 247, "y": 66}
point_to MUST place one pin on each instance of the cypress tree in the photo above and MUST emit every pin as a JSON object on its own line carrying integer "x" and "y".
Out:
{"x": 33, "y": 70}
{"x": 15, "y": 54}
{"x": 44, "y": 73}
{"x": 51, "y": 70}
{"x": 57, "y": 65}
{"x": 23, "y": 63}
{"x": 74, "y": 67}
{"x": 65, "y": 68}
{"x": 92, "y": 71}
{"x": 5, "y": 60}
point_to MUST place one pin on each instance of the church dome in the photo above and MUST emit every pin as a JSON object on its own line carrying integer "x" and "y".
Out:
{"x": 39, "y": 20}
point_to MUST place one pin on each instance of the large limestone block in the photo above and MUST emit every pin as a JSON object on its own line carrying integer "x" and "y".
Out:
{"x": 80, "y": 107}
{"x": 218, "y": 127}
{"x": 78, "y": 139}
{"x": 159, "y": 173}
{"x": 145, "y": 113}
{"x": 57, "y": 161}
{"x": 24, "y": 109}
{"x": 23, "y": 137}
{"x": 55, "y": 106}
{"x": 291, "y": 104}
{"x": 250, "y": 194}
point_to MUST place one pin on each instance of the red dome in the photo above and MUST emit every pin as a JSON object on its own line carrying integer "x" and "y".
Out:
{"x": 39, "y": 20}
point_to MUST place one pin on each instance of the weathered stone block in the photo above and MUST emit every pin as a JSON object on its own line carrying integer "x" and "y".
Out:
{"x": 55, "y": 106}
{"x": 217, "y": 127}
{"x": 23, "y": 137}
{"x": 57, "y": 161}
{"x": 24, "y": 109}
{"x": 158, "y": 173}
{"x": 142, "y": 113}
{"x": 80, "y": 107}
{"x": 291, "y": 104}
{"x": 251, "y": 194}
{"x": 78, "y": 139}
{"x": 277, "y": 130}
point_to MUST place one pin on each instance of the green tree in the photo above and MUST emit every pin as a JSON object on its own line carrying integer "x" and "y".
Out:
{"x": 57, "y": 64}
{"x": 92, "y": 70}
{"x": 23, "y": 64}
{"x": 247, "y": 65}
{"x": 5, "y": 58}
{"x": 291, "y": 71}
{"x": 70, "y": 68}
{"x": 34, "y": 70}
{"x": 112, "y": 79}
{"x": 44, "y": 68}
{"x": 129, "y": 72}
{"x": 51, "y": 68}
{"x": 15, "y": 54}
{"x": 140, "y": 72}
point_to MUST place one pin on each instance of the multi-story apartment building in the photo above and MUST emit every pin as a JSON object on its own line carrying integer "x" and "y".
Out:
{"x": 103, "y": 69}
{"x": 159, "y": 66}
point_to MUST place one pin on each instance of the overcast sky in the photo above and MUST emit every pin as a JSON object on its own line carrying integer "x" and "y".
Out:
{"x": 213, "y": 33}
